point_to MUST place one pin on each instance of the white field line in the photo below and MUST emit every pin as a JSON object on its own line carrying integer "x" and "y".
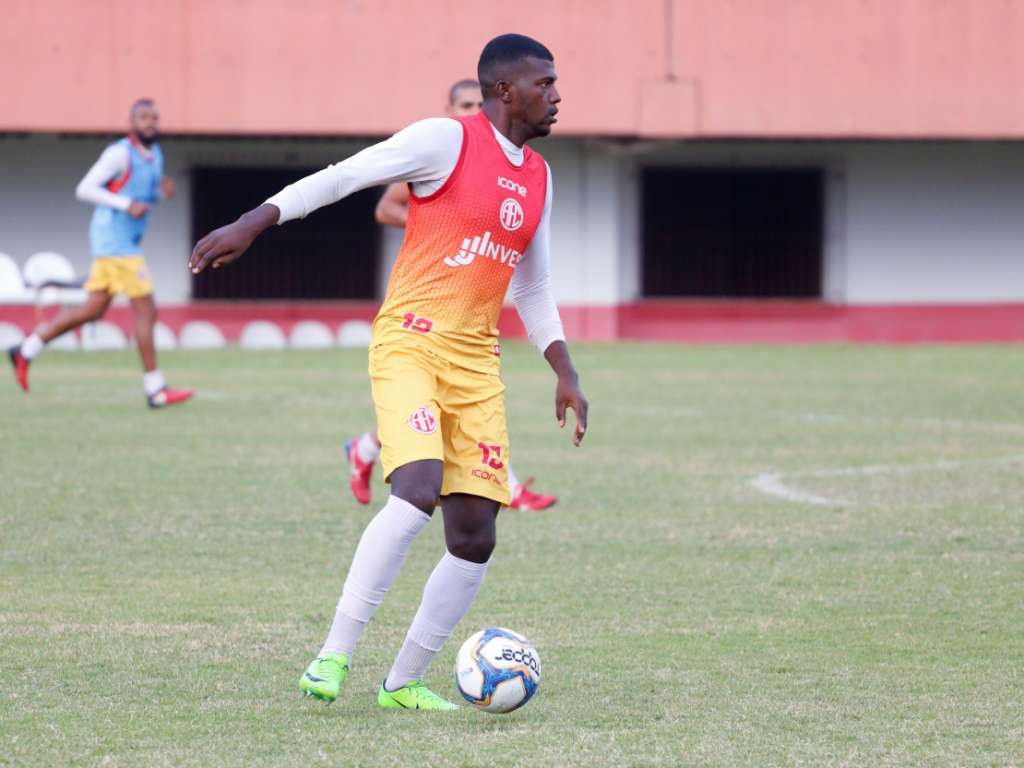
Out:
{"x": 771, "y": 482}
{"x": 1005, "y": 427}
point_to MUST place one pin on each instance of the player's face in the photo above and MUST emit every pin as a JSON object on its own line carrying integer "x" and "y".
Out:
{"x": 467, "y": 101}
{"x": 146, "y": 123}
{"x": 536, "y": 95}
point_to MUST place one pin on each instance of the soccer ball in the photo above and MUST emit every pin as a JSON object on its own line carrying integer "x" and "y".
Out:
{"x": 497, "y": 670}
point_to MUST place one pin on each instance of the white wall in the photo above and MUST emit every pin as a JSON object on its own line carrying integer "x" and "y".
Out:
{"x": 930, "y": 222}
{"x": 905, "y": 222}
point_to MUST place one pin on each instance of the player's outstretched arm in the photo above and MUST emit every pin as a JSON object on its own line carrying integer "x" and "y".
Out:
{"x": 568, "y": 393}
{"x": 224, "y": 245}
{"x": 425, "y": 150}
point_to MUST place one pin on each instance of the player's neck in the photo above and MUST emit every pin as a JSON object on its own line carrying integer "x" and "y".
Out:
{"x": 503, "y": 123}
{"x": 145, "y": 147}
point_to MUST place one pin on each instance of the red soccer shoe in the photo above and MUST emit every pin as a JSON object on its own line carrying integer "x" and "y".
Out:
{"x": 168, "y": 396}
{"x": 527, "y": 500}
{"x": 359, "y": 472}
{"x": 20, "y": 365}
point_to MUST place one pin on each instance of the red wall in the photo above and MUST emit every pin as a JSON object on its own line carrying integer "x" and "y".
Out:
{"x": 692, "y": 322}
{"x": 660, "y": 68}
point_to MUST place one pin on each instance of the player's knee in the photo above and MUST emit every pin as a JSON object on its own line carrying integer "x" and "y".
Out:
{"x": 418, "y": 483}
{"x": 94, "y": 312}
{"x": 424, "y": 499}
{"x": 146, "y": 313}
{"x": 475, "y": 547}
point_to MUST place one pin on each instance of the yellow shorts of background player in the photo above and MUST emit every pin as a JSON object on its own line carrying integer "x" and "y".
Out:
{"x": 120, "y": 274}
{"x": 428, "y": 408}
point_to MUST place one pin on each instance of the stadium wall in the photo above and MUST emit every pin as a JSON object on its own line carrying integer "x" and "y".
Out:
{"x": 911, "y": 227}
{"x": 651, "y": 68}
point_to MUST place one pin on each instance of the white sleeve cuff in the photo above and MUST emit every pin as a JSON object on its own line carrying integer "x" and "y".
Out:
{"x": 290, "y": 203}
{"x": 545, "y": 334}
{"x": 537, "y": 309}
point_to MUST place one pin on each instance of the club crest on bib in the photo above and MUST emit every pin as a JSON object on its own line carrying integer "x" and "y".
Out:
{"x": 511, "y": 213}
{"x": 422, "y": 420}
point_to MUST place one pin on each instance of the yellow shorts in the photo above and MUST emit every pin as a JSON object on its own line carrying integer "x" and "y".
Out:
{"x": 428, "y": 408}
{"x": 120, "y": 274}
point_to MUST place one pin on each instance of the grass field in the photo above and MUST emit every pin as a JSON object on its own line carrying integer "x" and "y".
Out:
{"x": 165, "y": 577}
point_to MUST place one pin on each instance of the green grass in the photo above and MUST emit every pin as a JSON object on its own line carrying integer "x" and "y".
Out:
{"x": 165, "y": 577}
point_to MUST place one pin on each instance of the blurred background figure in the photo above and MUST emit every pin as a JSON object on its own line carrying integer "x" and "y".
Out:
{"x": 124, "y": 185}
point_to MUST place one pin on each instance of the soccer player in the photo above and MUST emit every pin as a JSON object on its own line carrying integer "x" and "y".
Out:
{"x": 362, "y": 452}
{"x": 478, "y": 219}
{"x": 124, "y": 185}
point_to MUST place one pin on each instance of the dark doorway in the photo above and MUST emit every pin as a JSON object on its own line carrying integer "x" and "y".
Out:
{"x": 331, "y": 254}
{"x": 742, "y": 233}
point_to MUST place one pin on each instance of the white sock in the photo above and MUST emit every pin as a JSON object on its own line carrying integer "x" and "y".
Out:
{"x": 367, "y": 448}
{"x": 378, "y": 559}
{"x": 513, "y": 481}
{"x": 153, "y": 382}
{"x": 32, "y": 346}
{"x": 449, "y": 592}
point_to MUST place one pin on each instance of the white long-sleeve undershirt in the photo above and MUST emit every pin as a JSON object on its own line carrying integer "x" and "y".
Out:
{"x": 425, "y": 154}
{"x": 93, "y": 187}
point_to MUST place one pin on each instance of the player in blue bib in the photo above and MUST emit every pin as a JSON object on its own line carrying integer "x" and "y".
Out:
{"x": 124, "y": 185}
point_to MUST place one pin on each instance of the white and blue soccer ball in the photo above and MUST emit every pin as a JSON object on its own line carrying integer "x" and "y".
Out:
{"x": 497, "y": 670}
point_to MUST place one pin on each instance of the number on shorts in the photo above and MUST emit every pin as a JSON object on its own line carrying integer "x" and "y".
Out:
{"x": 491, "y": 455}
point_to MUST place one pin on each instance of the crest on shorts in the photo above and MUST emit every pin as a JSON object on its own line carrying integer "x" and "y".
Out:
{"x": 422, "y": 420}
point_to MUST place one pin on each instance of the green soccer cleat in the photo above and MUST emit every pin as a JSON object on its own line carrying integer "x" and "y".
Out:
{"x": 414, "y": 695}
{"x": 323, "y": 678}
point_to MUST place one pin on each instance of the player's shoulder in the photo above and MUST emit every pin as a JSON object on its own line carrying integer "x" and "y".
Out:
{"x": 117, "y": 152}
{"x": 432, "y": 126}
{"x": 430, "y": 135}
{"x": 537, "y": 161}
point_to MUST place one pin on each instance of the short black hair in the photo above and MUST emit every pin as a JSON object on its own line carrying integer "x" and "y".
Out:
{"x": 504, "y": 50}
{"x": 143, "y": 102}
{"x": 456, "y": 87}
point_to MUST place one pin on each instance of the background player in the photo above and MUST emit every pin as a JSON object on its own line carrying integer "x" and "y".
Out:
{"x": 433, "y": 361}
{"x": 464, "y": 99}
{"x": 124, "y": 184}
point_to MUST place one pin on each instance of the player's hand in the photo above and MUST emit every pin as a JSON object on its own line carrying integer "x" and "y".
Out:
{"x": 138, "y": 209}
{"x": 167, "y": 187}
{"x": 569, "y": 395}
{"x": 224, "y": 245}
{"x": 220, "y": 247}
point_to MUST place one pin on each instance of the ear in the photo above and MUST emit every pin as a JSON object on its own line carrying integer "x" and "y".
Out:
{"x": 503, "y": 90}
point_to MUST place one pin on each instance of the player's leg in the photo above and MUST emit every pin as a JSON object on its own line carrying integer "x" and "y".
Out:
{"x": 470, "y": 534}
{"x": 377, "y": 561}
{"x": 475, "y": 485}
{"x": 404, "y": 392}
{"x": 67, "y": 319}
{"x": 144, "y": 316}
{"x": 135, "y": 282}
{"x": 361, "y": 453}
